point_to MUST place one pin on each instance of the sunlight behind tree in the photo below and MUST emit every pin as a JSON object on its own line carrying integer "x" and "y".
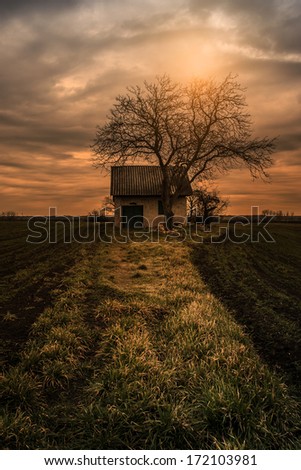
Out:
{"x": 195, "y": 130}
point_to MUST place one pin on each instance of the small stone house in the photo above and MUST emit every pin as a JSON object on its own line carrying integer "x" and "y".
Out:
{"x": 136, "y": 191}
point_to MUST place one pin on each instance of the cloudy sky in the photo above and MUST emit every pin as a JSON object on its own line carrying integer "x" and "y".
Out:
{"x": 64, "y": 61}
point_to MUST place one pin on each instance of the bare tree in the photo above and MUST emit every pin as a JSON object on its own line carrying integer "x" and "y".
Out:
{"x": 192, "y": 131}
{"x": 206, "y": 204}
{"x": 94, "y": 213}
{"x": 108, "y": 205}
{"x": 107, "y": 208}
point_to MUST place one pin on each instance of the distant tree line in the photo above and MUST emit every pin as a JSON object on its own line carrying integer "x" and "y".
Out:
{"x": 278, "y": 213}
{"x": 8, "y": 215}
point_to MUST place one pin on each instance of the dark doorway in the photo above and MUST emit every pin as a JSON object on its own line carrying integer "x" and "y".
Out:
{"x": 132, "y": 216}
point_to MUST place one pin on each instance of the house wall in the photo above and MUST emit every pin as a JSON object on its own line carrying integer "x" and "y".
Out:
{"x": 150, "y": 209}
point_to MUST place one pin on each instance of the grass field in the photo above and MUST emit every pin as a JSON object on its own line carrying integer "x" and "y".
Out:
{"x": 150, "y": 345}
{"x": 261, "y": 284}
{"x": 29, "y": 272}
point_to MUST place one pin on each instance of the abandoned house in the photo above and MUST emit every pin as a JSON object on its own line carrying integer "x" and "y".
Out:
{"x": 136, "y": 192}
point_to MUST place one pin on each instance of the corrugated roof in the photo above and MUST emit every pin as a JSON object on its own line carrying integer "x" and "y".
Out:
{"x": 140, "y": 180}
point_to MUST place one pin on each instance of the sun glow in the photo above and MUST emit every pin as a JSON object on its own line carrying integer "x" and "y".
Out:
{"x": 221, "y": 21}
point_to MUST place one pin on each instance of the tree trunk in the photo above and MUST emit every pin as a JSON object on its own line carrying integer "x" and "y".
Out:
{"x": 169, "y": 220}
{"x": 206, "y": 218}
{"x": 168, "y": 212}
{"x": 167, "y": 203}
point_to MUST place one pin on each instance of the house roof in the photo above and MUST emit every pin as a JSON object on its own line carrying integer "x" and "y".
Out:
{"x": 140, "y": 180}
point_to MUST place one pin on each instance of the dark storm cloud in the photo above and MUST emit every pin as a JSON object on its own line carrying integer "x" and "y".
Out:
{"x": 50, "y": 54}
{"x": 17, "y": 7}
{"x": 9, "y": 119}
{"x": 30, "y": 86}
{"x": 269, "y": 25}
{"x": 23, "y": 138}
{"x": 256, "y": 7}
{"x": 289, "y": 141}
{"x": 287, "y": 34}
{"x": 272, "y": 70}
{"x": 7, "y": 162}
